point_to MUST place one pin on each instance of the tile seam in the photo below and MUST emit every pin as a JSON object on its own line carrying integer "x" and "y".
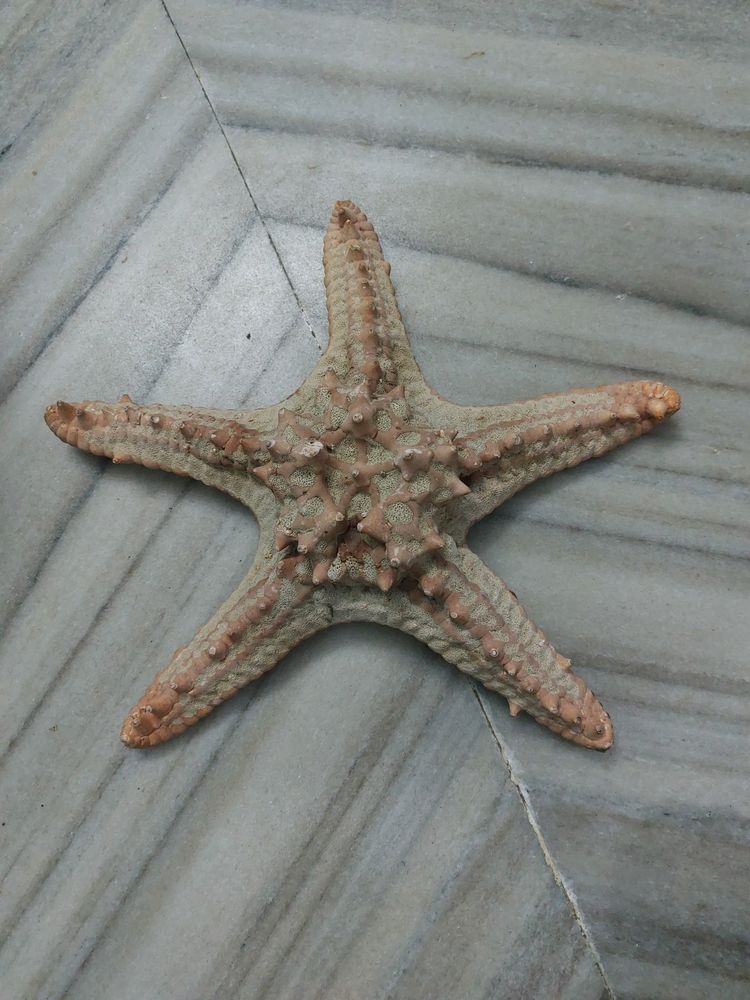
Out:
{"x": 530, "y": 814}
{"x": 241, "y": 172}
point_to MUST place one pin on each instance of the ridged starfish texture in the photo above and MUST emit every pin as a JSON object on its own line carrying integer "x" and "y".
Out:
{"x": 365, "y": 483}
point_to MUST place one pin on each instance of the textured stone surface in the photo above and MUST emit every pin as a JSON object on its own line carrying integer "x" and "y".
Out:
{"x": 306, "y": 845}
{"x": 575, "y": 220}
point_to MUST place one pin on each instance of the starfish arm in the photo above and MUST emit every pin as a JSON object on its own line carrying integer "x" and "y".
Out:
{"x": 207, "y": 445}
{"x": 470, "y": 617}
{"x": 266, "y": 617}
{"x": 512, "y": 446}
{"x": 366, "y": 333}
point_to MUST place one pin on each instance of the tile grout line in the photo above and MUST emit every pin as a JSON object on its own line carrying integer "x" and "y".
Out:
{"x": 321, "y": 347}
{"x": 551, "y": 864}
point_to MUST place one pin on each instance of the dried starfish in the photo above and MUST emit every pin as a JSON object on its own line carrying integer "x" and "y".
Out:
{"x": 365, "y": 483}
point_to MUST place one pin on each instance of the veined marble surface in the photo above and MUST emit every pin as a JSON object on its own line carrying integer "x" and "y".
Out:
{"x": 562, "y": 192}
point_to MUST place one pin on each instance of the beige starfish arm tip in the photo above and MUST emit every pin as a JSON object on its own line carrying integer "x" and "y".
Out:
{"x": 514, "y": 445}
{"x": 583, "y": 720}
{"x": 207, "y": 445}
{"x": 245, "y": 639}
{"x": 468, "y": 615}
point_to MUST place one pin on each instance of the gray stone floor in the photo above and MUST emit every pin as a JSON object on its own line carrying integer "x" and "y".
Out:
{"x": 562, "y": 191}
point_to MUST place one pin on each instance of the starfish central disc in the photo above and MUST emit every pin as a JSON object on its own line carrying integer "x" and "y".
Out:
{"x": 359, "y": 484}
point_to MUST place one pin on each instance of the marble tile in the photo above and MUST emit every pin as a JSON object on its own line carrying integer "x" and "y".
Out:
{"x": 347, "y": 826}
{"x": 91, "y": 149}
{"x": 562, "y": 191}
{"x": 480, "y": 93}
{"x": 261, "y": 869}
{"x": 719, "y": 32}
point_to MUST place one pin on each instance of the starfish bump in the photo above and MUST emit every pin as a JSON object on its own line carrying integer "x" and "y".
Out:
{"x": 365, "y": 483}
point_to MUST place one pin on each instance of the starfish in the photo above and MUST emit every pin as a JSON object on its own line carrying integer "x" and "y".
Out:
{"x": 365, "y": 483}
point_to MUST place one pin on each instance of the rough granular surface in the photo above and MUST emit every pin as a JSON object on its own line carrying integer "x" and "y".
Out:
{"x": 365, "y": 483}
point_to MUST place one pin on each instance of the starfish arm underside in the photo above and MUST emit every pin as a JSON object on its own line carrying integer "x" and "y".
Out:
{"x": 522, "y": 442}
{"x": 204, "y": 444}
{"x": 255, "y": 628}
{"x": 366, "y": 333}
